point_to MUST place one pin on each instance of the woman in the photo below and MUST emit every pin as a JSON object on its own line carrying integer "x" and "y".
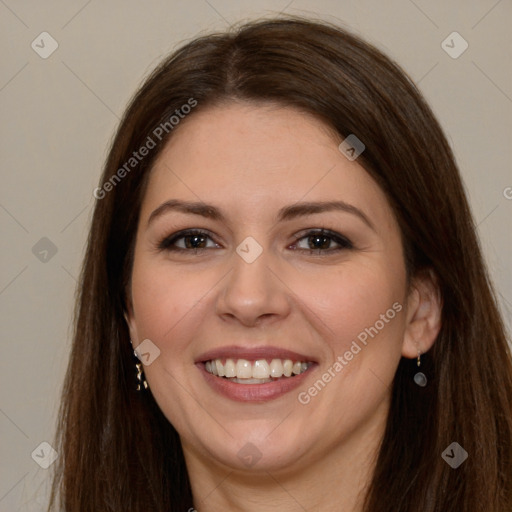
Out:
{"x": 297, "y": 270}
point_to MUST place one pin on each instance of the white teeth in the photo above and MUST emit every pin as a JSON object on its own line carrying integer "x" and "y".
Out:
{"x": 243, "y": 369}
{"x": 255, "y": 372}
{"x": 260, "y": 369}
{"x": 229, "y": 368}
{"x": 297, "y": 368}
{"x": 220, "y": 368}
{"x": 276, "y": 368}
{"x": 251, "y": 381}
{"x": 287, "y": 368}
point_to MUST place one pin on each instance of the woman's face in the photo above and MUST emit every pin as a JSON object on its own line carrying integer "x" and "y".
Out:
{"x": 308, "y": 326}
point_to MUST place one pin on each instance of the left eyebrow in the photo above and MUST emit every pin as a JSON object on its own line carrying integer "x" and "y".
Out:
{"x": 286, "y": 213}
{"x": 309, "y": 208}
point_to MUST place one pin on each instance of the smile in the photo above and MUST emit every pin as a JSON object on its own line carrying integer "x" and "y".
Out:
{"x": 256, "y": 374}
{"x": 243, "y": 371}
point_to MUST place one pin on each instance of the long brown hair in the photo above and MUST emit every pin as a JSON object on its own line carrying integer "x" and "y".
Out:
{"x": 117, "y": 450}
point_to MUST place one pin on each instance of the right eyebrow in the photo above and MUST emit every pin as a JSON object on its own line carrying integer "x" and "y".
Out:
{"x": 195, "y": 208}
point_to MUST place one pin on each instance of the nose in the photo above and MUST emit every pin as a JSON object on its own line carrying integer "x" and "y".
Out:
{"x": 253, "y": 293}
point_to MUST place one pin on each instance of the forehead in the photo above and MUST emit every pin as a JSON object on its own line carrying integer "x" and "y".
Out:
{"x": 256, "y": 158}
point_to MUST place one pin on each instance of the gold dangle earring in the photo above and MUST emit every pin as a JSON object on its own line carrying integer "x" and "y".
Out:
{"x": 141, "y": 380}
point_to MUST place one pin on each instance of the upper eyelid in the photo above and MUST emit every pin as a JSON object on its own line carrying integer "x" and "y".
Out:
{"x": 342, "y": 239}
{"x": 297, "y": 237}
{"x": 186, "y": 232}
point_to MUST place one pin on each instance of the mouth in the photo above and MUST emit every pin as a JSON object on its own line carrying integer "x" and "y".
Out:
{"x": 254, "y": 375}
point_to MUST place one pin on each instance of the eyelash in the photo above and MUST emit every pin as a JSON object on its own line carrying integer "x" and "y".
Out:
{"x": 344, "y": 243}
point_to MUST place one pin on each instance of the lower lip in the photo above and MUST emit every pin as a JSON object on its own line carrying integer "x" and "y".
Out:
{"x": 253, "y": 392}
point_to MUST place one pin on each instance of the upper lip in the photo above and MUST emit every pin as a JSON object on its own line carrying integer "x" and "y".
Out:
{"x": 252, "y": 354}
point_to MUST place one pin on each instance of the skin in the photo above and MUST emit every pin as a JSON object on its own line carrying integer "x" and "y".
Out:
{"x": 250, "y": 160}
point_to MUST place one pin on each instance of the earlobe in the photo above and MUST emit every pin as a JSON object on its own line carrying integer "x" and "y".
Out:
{"x": 423, "y": 322}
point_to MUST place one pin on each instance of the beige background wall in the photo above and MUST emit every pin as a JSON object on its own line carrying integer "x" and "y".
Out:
{"x": 58, "y": 114}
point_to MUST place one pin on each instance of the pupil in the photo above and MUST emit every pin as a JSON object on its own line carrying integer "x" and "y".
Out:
{"x": 192, "y": 240}
{"x": 323, "y": 242}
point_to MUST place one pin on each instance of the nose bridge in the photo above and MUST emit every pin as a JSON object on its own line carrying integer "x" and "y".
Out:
{"x": 252, "y": 289}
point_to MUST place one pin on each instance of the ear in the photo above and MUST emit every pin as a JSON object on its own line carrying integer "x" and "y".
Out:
{"x": 130, "y": 321}
{"x": 423, "y": 315}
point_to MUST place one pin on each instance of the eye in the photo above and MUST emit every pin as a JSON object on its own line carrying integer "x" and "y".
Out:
{"x": 313, "y": 241}
{"x": 190, "y": 239}
{"x": 321, "y": 240}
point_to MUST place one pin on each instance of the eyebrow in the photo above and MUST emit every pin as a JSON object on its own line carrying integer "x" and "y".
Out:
{"x": 286, "y": 213}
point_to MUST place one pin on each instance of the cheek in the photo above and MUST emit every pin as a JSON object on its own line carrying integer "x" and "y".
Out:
{"x": 359, "y": 312}
{"x": 169, "y": 308}
{"x": 166, "y": 301}
{"x": 356, "y": 304}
